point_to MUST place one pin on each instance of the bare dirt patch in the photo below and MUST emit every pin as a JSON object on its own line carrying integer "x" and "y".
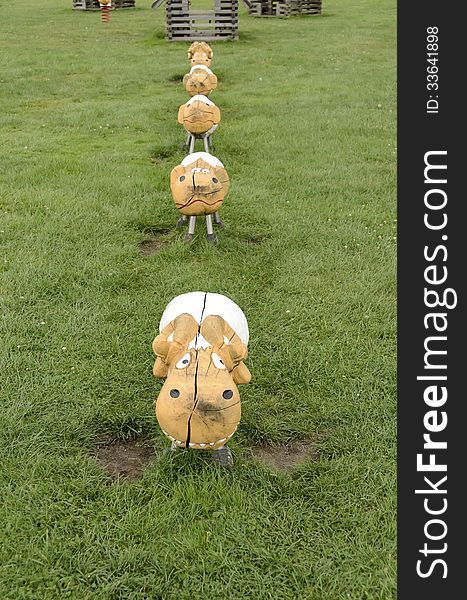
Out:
{"x": 155, "y": 243}
{"x": 123, "y": 459}
{"x": 285, "y": 456}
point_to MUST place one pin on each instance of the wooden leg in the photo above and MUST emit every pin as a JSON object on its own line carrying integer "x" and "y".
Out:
{"x": 192, "y": 144}
{"x": 181, "y": 221}
{"x": 223, "y": 457}
{"x": 190, "y": 234}
{"x": 210, "y": 235}
{"x": 218, "y": 220}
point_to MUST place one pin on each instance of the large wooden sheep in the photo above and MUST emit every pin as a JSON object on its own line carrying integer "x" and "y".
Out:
{"x": 200, "y": 350}
{"x": 200, "y": 118}
{"x": 199, "y": 185}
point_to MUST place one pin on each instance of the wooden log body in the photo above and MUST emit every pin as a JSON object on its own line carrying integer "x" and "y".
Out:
{"x": 199, "y": 115}
{"x": 200, "y": 350}
{"x": 200, "y": 80}
{"x": 199, "y": 184}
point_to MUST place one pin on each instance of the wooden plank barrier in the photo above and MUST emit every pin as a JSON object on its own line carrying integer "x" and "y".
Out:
{"x": 284, "y": 8}
{"x": 186, "y": 24}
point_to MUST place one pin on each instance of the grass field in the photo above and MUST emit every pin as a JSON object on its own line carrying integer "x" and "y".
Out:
{"x": 88, "y": 139}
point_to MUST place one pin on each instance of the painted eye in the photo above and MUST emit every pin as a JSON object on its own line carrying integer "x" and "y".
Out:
{"x": 184, "y": 361}
{"x": 227, "y": 394}
{"x": 175, "y": 393}
{"x": 182, "y": 178}
{"x": 216, "y": 359}
{"x": 215, "y": 180}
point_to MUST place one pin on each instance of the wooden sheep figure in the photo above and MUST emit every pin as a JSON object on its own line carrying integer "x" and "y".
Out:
{"x": 200, "y": 117}
{"x": 200, "y": 350}
{"x": 200, "y": 53}
{"x": 199, "y": 185}
{"x": 200, "y": 80}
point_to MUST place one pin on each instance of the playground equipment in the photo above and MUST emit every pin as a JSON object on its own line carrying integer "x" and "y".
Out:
{"x": 269, "y": 8}
{"x": 96, "y": 5}
{"x": 186, "y": 24}
{"x": 200, "y": 350}
{"x": 200, "y": 117}
{"x": 305, "y": 7}
{"x": 105, "y": 5}
{"x": 199, "y": 185}
{"x": 284, "y": 8}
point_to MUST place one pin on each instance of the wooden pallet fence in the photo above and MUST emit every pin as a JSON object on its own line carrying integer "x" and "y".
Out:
{"x": 270, "y": 8}
{"x": 305, "y": 7}
{"x": 284, "y": 8}
{"x": 186, "y": 24}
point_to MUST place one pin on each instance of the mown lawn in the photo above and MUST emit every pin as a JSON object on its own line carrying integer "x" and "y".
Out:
{"x": 88, "y": 139}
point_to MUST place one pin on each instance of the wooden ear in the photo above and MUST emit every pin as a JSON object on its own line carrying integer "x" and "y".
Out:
{"x": 160, "y": 369}
{"x": 160, "y": 345}
{"x": 161, "y": 348}
{"x": 176, "y": 173}
{"x": 212, "y": 329}
{"x": 241, "y": 374}
{"x": 207, "y": 49}
{"x": 185, "y": 329}
{"x": 181, "y": 112}
{"x": 238, "y": 351}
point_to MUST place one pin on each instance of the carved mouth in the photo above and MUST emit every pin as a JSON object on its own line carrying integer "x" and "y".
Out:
{"x": 199, "y": 446}
{"x": 192, "y": 202}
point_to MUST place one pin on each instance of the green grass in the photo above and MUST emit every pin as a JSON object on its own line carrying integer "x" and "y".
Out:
{"x": 88, "y": 138}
